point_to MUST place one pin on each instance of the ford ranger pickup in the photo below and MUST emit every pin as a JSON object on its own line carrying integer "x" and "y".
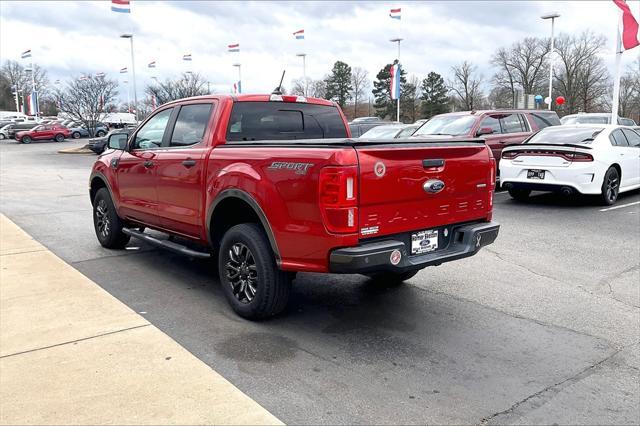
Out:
{"x": 270, "y": 185}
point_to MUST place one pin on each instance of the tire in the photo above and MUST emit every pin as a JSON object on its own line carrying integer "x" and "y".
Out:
{"x": 1, "y": 136}
{"x": 76, "y": 135}
{"x": 391, "y": 279}
{"x": 59, "y": 137}
{"x": 26, "y": 139}
{"x": 520, "y": 194}
{"x": 246, "y": 258}
{"x": 100, "y": 133}
{"x": 610, "y": 187}
{"x": 106, "y": 223}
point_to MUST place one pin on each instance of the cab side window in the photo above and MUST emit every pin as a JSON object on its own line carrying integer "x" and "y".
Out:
{"x": 150, "y": 135}
{"x": 512, "y": 123}
{"x": 491, "y": 122}
{"x": 617, "y": 138}
{"x": 191, "y": 124}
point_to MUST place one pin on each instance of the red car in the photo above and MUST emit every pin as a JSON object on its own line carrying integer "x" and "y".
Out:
{"x": 499, "y": 128}
{"x": 271, "y": 185}
{"x": 54, "y": 132}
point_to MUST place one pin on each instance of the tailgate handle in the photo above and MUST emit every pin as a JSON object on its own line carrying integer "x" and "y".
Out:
{"x": 432, "y": 163}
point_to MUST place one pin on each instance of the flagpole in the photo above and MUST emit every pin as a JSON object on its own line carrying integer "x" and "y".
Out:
{"x": 616, "y": 81}
{"x": 398, "y": 40}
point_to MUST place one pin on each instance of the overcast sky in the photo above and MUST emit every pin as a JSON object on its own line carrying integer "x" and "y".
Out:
{"x": 73, "y": 37}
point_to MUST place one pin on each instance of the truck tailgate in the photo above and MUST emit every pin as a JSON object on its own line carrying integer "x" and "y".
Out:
{"x": 418, "y": 186}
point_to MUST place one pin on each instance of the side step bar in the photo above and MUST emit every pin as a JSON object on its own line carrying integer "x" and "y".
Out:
{"x": 170, "y": 245}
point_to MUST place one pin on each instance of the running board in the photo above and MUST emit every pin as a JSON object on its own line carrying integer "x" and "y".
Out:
{"x": 169, "y": 245}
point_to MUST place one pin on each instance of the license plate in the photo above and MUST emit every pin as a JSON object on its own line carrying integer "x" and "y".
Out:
{"x": 424, "y": 241}
{"x": 535, "y": 174}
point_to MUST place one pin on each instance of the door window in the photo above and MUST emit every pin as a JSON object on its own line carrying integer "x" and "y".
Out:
{"x": 512, "y": 124}
{"x": 191, "y": 124}
{"x": 617, "y": 139}
{"x": 632, "y": 137}
{"x": 150, "y": 135}
{"x": 491, "y": 122}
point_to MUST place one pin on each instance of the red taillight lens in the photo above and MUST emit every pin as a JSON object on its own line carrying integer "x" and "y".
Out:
{"x": 338, "y": 196}
{"x": 578, "y": 156}
{"x": 492, "y": 171}
{"x": 509, "y": 155}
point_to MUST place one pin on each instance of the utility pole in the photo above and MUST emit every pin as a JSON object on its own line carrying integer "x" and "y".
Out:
{"x": 398, "y": 40}
{"x": 553, "y": 17}
{"x": 133, "y": 73}
{"x": 239, "y": 77}
{"x": 304, "y": 71}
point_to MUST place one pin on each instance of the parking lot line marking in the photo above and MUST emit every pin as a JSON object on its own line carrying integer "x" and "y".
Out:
{"x": 620, "y": 206}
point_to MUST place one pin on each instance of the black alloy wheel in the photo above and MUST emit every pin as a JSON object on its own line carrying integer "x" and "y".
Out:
{"x": 610, "y": 186}
{"x": 242, "y": 273}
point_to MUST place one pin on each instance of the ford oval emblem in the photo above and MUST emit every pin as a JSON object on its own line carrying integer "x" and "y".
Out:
{"x": 433, "y": 186}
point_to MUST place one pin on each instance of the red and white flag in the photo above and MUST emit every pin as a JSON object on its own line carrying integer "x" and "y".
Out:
{"x": 629, "y": 35}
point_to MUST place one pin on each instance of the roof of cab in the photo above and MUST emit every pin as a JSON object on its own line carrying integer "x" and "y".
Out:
{"x": 257, "y": 98}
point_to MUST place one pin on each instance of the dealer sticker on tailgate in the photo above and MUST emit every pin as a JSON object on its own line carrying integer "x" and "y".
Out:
{"x": 424, "y": 241}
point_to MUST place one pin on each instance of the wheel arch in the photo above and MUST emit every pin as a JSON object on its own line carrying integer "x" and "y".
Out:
{"x": 97, "y": 182}
{"x": 233, "y": 207}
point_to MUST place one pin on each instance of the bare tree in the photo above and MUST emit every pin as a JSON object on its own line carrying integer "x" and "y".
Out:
{"x": 14, "y": 76}
{"x": 360, "y": 83}
{"x": 522, "y": 65}
{"x": 189, "y": 84}
{"x": 86, "y": 99}
{"x": 581, "y": 73}
{"x": 465, "y": 86}
{"x": 315, "y": 88}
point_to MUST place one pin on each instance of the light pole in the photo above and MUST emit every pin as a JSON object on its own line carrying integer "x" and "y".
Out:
{"x": 397, "y": 40}
{"x": 239, "y": 66}
{"x": 304, "y": 70}
{"x": 553, "y": 17}
{"x": 133, "y": 73}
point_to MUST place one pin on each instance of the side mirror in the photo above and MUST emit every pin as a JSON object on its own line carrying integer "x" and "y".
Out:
{"x": 118, "y": 141}
{"x": 484, "y": 131}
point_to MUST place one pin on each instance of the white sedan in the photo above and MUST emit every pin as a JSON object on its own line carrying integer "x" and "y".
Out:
{"x": 586, "y": 159}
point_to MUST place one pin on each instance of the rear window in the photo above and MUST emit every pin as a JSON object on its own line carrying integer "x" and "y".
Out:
{"x": 254, "y": 121}
{"x": 565, "y": 135}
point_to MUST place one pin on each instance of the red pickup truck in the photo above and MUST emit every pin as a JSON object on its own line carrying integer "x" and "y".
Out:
{"x": 273, "y": 184}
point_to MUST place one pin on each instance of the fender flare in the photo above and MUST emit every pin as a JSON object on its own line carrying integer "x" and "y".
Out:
{"x": 104, "y": 180}
{"x": 244, "y": 196}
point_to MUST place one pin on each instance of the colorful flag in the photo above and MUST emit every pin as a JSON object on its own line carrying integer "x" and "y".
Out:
{"x": 33, "y": 103}
{"x": 629, "y": 36}
{"x": 152, "y": 64}
{"x": 100, "y": 75}
{"x": 299, "y": 35}
{"x": 395, "y": 13}
{"x": 186, "y": 57}
{"x": 122, "y": 6}
{"x": 234, "y": 47}
{"x": 237, "y": 87}
{"x": 123, "y": 70}
{"x": 395, "y": 80}
{"x": 153, "y": 102}
{"x": 26, "y": 54}
{"x": 82, "y": 77}
{"x": 56, "y": 82}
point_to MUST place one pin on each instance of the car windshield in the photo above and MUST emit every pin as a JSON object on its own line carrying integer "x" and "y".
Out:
{"x": 381, "y": 132}
{"x": 565, "y": 135}
{"x": 453, "y": 125}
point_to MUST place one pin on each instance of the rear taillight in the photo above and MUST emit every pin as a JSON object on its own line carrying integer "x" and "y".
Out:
{"x": 578, "y": 156}
{"x": 338, "y": 193}
{"x": 509, "y": 155}
{"x": 492, "y": 171}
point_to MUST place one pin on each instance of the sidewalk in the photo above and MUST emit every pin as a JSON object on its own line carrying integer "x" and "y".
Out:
{"x": 70, "y": 353}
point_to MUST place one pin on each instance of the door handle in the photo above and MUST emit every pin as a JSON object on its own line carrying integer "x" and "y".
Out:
{"x": 189, "y": 163}
{"x": 432, "y": 163}
{"x": 148, "y": 164}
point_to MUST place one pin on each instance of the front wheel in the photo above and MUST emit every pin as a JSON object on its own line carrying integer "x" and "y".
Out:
{"x": 100, "y": 133}
{"x": 610, "y": 187}
{"x": 59, "y": 137}
{"x": 391, "y": 279}
{"x": 520, "y": 194}
{"x": 1, "y": 136}
{"x": 251, "y": 281}
{"x": 106, "y": 222}
{"x": 26, "y": 139}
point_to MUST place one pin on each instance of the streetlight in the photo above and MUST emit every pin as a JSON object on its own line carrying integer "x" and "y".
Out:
{"x": 551, "y": 16}
{"x": 133, "y": 70}
{"x": 397, "y": 40}
{"x": 304, "y": 70}
{"x": 239, "y": 77}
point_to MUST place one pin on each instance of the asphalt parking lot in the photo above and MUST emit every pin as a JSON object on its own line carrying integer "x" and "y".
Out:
{"x": 541, "y": 327}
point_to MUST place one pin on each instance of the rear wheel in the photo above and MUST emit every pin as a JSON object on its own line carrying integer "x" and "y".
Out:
{"x": 610, "y": 187}
{"x": 26, "y": 139}
{"x": 107, "y": 224}
{"x": 76, "y": 135}
{"x": 251, "y": 281}
{"x": 59, "y": 137}
{"x": 520, "y": 194}
{"x": 391, "y": 279}
{"x": 100, "y": 133}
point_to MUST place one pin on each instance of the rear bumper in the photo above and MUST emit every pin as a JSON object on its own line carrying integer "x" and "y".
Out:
{"x": 584, "y": 178}
{"x": 372, "y": 257}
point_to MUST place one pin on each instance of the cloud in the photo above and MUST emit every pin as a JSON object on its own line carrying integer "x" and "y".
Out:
{"x": 69, "y": 38}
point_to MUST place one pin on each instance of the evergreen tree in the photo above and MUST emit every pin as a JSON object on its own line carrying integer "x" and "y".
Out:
{"x": 385, "y": 106}
{"x": 339, "y": 84}
{"x": 434, "y": 95}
